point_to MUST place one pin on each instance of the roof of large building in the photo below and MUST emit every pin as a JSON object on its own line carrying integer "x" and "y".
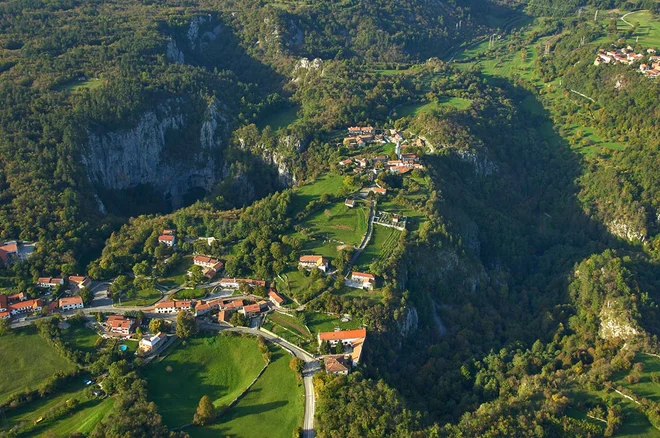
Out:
{"x": 165, "y": 238}
{"x": 70, "y": 301}
{"x": 279, "y": 299}
{"x": 50, "y": 280}
{"x": 177, "y": 304}
{"x": 343, "y": 334}
{"x": 25, "y": 304}
{"x": 252, "y": 308}
{"x": 118, "y": 321}
{"x": 335, "y": 363}
{"x": 363, "y": 275}
{"x": 78, "y": 279}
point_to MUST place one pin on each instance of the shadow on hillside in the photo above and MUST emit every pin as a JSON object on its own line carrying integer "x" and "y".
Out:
{"x": 522, "y": 230}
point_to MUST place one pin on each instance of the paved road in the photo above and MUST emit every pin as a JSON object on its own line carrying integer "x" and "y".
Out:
{"x": 312, "y": 366}
{"x": 365, "y": 240}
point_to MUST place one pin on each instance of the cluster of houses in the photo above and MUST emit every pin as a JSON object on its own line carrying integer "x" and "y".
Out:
{"x": 210, "y": 266}
{"x": 18, "y": 304}
{"x": 352, "y": 342}
{"x": 76, "y": 282}
{"x": 627, "y": 56}
{"x": 361, "y": 136}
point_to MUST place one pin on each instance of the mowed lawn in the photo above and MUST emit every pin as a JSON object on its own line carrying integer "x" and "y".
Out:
{"x": 26, "y": 361}
{"x": 83, "y": 419}
{"x": 215, "y": 365}
{"x": 322, "y": 322}
{"x": 178, "y": 275}
{"x": 340, "y": 222}
{"x": 272, "y": 408}
{"x": 80, "y": 337}
{"x": 144, "y": 297}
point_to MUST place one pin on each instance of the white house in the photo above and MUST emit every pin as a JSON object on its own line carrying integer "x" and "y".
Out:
{"x": 79, "y": 281}
{"x": 314, "y": 261}
{"x": 173, "y": 306}
{"x": 168, "y": 238}
{"x": 204, "y": 308}
{"x": 49, "y": 282}
{"x": 149, "y": 344}
{"x": 29, "y": 306}
{"x": 363, "y": 280}
{"x": 71, "y": 303}
{"x": 353, "y": 339}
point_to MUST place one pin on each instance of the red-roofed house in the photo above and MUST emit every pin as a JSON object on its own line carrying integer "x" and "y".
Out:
{"x": 15, "y": 298}
{"x": 336, "y": 364}
{"x": 251, "y": 310}
{"x": 79, "y": 281}
{"x": 71, "y": 303}
{"x": 276, "y": 298}
{"x": 354, "y": 339}
{"x": 224, "y": 316}
{"x": 174, "y": 306}
{"x": 313, "y": 261}
{"x": 120, "y": 324}
{"x": 168, "y": 238}
{"x": 49, "y": 282}
{"x": 8, "y": 252}
{"x": 364, "y": 280}
{"x": 28, "y": 306}
{"x": 207, "y": 307}
{"x": 5, "y": 315}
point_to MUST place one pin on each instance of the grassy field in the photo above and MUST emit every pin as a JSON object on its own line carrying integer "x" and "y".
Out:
{"x": 279, "y": 118}
{"x": 340, "y": 222}
{"x": 647, "y": 33}
{"x": 26, "y": 361}
{"x": 83, "y": 419}
{"x": 145, "y": 297}
{"x": 272, "y": 408}
{"x": 329, "y": 183}
{"x": 297, "y": 284}
{"x": 382, "y": 243}
{"x": 178, "y": 275}
{"x": 191, "y": 294}
{"x": 214, "y": 365}
{"x": 80, "y": 337}
{"x": 645, "y": 388}
{"x": 76, "y": 85}
{"x": 415, "y": 109}
{"x": 321, "y": 322}
{"x": 290, "y": 323}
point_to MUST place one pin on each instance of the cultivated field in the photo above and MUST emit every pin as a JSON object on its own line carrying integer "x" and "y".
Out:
{"x": 26, "y": 361}
{"x": 329, "y": 183}
{"x": 383, "y": 241}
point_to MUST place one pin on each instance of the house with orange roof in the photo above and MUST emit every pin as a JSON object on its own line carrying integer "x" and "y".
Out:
{"x": 352, "y": 340}
{"x": 5, "y": 315}
{"x": 336, "y": 364}
{"x": 314, "y": 262}
{"x": 276, "y": 298}
{"x": 71, "y": 303}
{"x": 8, "y": 252}
{"x": 251, "y": 310}
{"x": 206, "y": 307}
{"x": 49, "y": 282}
{"x": 174, "y": 306}
{"x": 168, "y": 238}
{"x": 121, "y": 324}
{"x": 224, "y": 316}
{"x": 28, "y": 306}
{"x": 15, "y": 298}
{"x": 362, "y": 280}
{"x": 79, "y": 281}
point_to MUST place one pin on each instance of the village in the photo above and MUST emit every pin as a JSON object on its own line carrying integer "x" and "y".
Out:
{"x": 241, "y": 302}
{"x": 649, "y": 63}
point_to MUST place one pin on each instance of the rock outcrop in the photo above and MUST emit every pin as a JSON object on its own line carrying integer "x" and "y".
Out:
{"x": 144, "y": 154}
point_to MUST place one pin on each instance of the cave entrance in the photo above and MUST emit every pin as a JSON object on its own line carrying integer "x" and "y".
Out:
{"x": 193, "y": 195}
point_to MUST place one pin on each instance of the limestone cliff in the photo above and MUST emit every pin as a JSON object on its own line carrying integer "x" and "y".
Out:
{"x": 161, "y": 151}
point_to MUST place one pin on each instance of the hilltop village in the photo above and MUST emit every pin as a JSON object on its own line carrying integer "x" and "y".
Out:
{"x": 195, "y": 283}
{"x": 647, "y": 63}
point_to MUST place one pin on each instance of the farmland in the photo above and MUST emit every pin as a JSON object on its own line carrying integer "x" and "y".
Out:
{"x": 218, "y": 366}
{"x": 272, "y": 408}
{"x": 339, "y": 222}
{"x": 330, "y": 183}
{"x": 383, "y": 241}
{"x": 26, "y": 361}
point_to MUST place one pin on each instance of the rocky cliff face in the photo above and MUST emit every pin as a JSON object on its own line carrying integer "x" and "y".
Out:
{"x": 143, "y": 154}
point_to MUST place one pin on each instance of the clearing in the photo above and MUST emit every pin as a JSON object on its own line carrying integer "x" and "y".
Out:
{"x": 210, "y": 364}
{"x": 330, "y": 183}
{"x": 178, "y": 275}
{"x": 26, "y": 361}
{"x": 272, "y": 408}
